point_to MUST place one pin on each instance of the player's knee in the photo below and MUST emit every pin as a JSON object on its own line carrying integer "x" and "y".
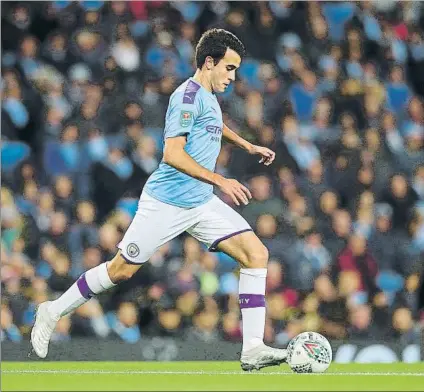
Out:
{"x": 119, "y": 270}
{"x": 257, "y": 257}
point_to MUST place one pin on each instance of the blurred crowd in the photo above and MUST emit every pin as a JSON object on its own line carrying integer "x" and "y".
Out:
{"x": 335, "y": 88}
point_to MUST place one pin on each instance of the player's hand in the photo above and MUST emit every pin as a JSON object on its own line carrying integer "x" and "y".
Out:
{"x": 267, "y": 155}
{"x": 238, "y": 192}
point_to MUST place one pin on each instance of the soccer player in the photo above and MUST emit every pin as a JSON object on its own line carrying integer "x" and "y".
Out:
{"x": 179, "y": 197}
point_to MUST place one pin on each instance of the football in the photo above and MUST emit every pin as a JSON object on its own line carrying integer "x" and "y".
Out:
{"x": 309, "y": 352}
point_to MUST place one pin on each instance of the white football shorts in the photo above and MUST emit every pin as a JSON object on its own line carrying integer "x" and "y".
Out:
{"x": 156, "y": 223}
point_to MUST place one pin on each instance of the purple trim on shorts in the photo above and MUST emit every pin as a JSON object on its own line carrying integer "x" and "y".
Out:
{"x": 213, "y": 247}
{"x": 84, "y": 288}
{"x": 190, "y": 92}
{"x": 247, "y": 301}
{"x": 129, "y": 261}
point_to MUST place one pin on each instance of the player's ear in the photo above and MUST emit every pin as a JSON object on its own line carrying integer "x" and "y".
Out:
{"x": 209, "y": 63}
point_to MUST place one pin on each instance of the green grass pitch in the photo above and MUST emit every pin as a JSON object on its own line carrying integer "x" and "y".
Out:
{"x": 204, "y": 376}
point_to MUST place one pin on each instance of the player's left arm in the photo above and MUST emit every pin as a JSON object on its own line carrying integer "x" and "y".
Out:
{"x": 267, "y": 155}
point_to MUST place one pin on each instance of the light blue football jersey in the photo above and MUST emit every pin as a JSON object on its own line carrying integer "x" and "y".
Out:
{"x": 195, "y": 112}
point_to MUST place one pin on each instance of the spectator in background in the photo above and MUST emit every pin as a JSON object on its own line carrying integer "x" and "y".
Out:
{"x": 274, "y": 96}
{"x": 90, "y": 320}
{"x": 153, "y": 105}
{"x": 83, "y": 234}
{"x": 298, "y": 144}
{"x": 231, "y": 327}
{"x": 383, "y": 243}
{"x": 170, "y": 319}
{"x": 304, "y": 96}
{"x": 113, "y": 172}
{"x": 340, "y": 231}
{"x": 313, "y": 184}
{"x": 145, "y": 155}
{"x": 58, "y": 233}
{"x": 14, "y": 108}
{"x": 64, "y": 195}
{"x": 320, "y": 130}
{"x": 398, "y": 93}
{"x": 328, "y": 203}
{"x": 79, "y": 75}
{"x": 309, "y": 261}
{"x": 45, "y": 211}
{"x": 205, "y": 322}
{"x": 331, "y": 309}
{"x": 356, "y": 257}
{"x": 262, "y": 201}
{"x": 401, "y": 197}
{"x": 361, "y": 320}
{"x": 267, "y": 230}
{"x": 56, "y": 51}
{"x": 124, "y": 322}
{"x": 9, "y": 331}
{"x": 318, "y": 42}
{"x": 108, "y": 238}
{"x": 403, "y": 325}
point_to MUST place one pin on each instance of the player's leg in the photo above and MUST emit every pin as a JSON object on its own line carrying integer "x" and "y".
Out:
{"x": 252, "y": 256}
{"x": 89, "y": 284}
{"x": 93, "y": 282}
{"x": 225, "y": 230}
{"x": 152, "y": 226}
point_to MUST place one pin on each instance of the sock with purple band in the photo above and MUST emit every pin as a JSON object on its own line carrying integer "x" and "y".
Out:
{"x": 247, "y": 301}
{"x": 88, "y": 285}
{"x": 252, "y": 304}
{"x": 83, "y": 287}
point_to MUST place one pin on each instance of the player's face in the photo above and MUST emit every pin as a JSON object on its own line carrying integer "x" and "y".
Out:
{"x": 225, "y": 71}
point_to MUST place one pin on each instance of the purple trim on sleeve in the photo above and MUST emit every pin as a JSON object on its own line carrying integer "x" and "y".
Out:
{"x": 190, "y": 92}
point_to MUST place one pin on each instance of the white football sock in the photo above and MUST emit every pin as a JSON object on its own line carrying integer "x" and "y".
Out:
{"x": 90, "y": 283}
{"x": 252, "y": 304}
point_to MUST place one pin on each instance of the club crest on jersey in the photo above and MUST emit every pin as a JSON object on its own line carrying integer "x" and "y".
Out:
{"x": 186, "y": 118}
{"x": 133, "y": 250}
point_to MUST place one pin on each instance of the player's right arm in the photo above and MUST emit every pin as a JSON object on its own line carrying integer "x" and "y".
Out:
{"x": 180, "y": 117}
{"x": 175, "y": 156}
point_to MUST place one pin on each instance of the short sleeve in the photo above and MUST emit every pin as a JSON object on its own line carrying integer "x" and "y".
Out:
{"x": 181, "y": 115}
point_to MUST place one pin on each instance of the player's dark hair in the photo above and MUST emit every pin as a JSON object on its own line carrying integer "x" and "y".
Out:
{"x": 215, "y": 43}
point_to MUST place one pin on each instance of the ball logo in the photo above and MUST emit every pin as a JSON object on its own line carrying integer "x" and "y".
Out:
{"x": 133, "y": 250}
{"x": 312, "y": 349}
{"x": 317, "y": 352}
